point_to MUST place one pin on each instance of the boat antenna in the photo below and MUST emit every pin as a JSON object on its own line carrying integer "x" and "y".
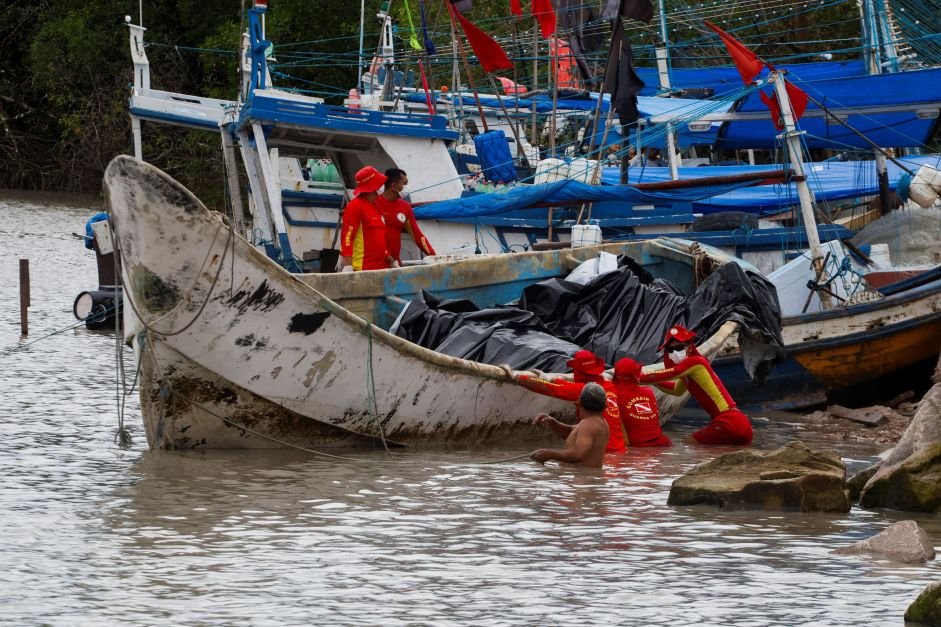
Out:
{"x": 362, "y": 27}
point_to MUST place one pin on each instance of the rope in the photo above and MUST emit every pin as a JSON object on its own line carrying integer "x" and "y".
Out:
{"x": 122, "y": 437}
{"x": 508, "y": 459}
{"x": 12, "y": 349}
{"x": 149, "y": 325}
{"x": 371, "y": 388}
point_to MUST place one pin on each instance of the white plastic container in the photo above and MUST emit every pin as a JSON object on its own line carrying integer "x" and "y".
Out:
{"x": 550, "y": 171}
{"x": 925, "y": 186}
{"x": 586, "y": 235}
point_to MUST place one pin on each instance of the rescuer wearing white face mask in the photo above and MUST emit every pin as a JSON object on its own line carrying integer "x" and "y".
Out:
{"x": 687, "y": 370}
{"x": 399, "y": 216}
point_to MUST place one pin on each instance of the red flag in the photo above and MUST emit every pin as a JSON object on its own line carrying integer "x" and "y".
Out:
{"x": 489, "y": 53}
{"x": 516, "y": 8}
{"x": 542, "y": 11}
{"x": 745, "y": 60}
{"x": 798, "y": 99}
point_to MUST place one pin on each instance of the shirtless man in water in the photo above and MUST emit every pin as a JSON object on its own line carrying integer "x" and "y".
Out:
{"x": 586, "y": 441}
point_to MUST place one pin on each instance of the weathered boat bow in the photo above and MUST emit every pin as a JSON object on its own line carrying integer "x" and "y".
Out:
{"x": 227, "y": 338}
{"x": 234, "y": 351}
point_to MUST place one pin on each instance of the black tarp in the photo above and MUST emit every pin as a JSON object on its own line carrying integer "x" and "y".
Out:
{"x": 624, "y": 313}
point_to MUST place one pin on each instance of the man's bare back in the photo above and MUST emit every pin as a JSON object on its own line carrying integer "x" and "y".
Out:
{"x": 584, "y": 445}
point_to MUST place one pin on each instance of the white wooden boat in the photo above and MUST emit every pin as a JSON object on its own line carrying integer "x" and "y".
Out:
{"x": 236, "y": 352}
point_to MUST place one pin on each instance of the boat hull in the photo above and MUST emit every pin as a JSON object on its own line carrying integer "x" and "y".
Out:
{"x": 853, "y": 350}
{"x": 236, "y": 352}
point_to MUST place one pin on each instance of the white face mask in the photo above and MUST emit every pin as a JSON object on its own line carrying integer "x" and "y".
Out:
{"x": 678, "y": 355}
{"x": 404, "y": 191}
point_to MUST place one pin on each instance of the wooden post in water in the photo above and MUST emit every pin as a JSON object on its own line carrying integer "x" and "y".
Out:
{"x": 24, "y": 296}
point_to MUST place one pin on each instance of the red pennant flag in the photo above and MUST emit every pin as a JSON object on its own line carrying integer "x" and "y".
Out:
{"x": 516, "y": 8}
{"x": 542, "y": 11}
{"x": 798, "y": 99}
{"x": 745, "y": 60}
{"x": 489, "y": 53}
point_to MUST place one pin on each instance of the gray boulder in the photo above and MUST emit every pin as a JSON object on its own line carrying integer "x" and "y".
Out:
{"x": 926, "y": 609}
{"x": 793, "y": 477}
{"x": 909, "y": 478}
{"x": 904, "y": 542}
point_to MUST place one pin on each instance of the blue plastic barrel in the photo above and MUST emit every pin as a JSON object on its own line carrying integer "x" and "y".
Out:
{"x": 496, "y": 162}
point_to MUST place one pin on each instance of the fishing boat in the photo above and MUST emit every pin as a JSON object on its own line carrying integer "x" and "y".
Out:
{"x": 234, "y": 351}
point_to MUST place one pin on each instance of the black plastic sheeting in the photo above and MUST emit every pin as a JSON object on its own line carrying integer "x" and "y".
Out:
{"x": 624, "y": 313}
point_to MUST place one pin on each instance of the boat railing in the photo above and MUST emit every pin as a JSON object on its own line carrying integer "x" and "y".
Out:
{"x": 267, "y": 107}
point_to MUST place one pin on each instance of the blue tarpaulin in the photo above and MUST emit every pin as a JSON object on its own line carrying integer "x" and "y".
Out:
{"x": 830, "y": 180}
{"x": 557, "y": 193}
{"x": 727, "y": 80}
{"x": 909, "y": 125}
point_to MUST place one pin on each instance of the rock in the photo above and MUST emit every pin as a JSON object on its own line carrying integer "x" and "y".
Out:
{"x": 907, "y": 409}
{"x": 791, "y": 477}
{"x": 926, "y": 609}
{"x": 869, "y": 416}
{"x": 912, "y": 485}
{"x": 909, "y": 478}
{"x": 907, "y": 395}
{"x": 856, "y": 483}
{"x": 904, "y": 542}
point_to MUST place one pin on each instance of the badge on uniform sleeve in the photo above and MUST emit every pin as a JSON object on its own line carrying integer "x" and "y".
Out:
{"x": 400, "y": 217}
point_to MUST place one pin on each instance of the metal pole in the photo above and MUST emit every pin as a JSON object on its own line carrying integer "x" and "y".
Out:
{"x": 362, "y": 28}
{"x": 663, "y": 71}
{"x": 792, "y": 137}
{"x": 24, "y": 297}
{"x": 535, "y": 136}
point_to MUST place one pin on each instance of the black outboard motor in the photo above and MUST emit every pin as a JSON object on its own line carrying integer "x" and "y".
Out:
{"x": 100, "y": 308}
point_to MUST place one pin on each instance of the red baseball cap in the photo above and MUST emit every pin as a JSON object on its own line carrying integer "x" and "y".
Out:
{"x": 627, "y": 368}
{"x": 585, "y": 361}
{"x": 368, "y": 179}
{"x": 679, "y": 333}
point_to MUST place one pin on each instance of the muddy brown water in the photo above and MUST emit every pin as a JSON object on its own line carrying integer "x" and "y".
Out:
{"x": 98, "y": 535}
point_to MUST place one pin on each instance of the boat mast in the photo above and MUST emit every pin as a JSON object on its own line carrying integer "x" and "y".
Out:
{"x": 873, "y": 19}
{"x": 362, "y": 30}
{"x": 804, "y": 193}
{"x": 663, "y": 71}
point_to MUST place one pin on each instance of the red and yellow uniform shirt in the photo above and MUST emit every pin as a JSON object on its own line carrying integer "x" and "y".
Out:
{"x": 570, "y": 391}
{"x": 640, "y": 415}
{"x": 696, "y": 375}
{"x": 399, "y": 217}
{"x": 363, "y": 235}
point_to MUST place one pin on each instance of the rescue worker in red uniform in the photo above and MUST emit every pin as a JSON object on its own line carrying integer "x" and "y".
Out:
{"x": 363, "y": 231}
{"x": 586, "y": 368}
{"x": 686, "y": 370}
{"x": 637, "y": 406}
{"x": 399, "y": 216}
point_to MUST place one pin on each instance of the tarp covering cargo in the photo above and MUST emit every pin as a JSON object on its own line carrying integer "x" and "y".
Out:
{"x": 623, "y": 313}
{"x": 829, "y": 180}
{"x": 888, "y": 109}
{"x": 561, "y": 192}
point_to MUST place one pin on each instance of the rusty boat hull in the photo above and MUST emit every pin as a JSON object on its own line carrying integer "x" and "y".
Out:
{"x": 235, "y": 352}
{"x": 848, "y": 353}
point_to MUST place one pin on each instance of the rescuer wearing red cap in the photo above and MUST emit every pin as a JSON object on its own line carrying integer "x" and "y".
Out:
{"x": 686, "y": 370}
{"x": 637, "y": 406}
{"x": 586, "y": 368}
{"x": 399, "y": 216}
{"x": 363, "y": 232}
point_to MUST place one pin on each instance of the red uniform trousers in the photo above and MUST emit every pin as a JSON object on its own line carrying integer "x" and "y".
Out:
{"x": 728, "y": 427}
